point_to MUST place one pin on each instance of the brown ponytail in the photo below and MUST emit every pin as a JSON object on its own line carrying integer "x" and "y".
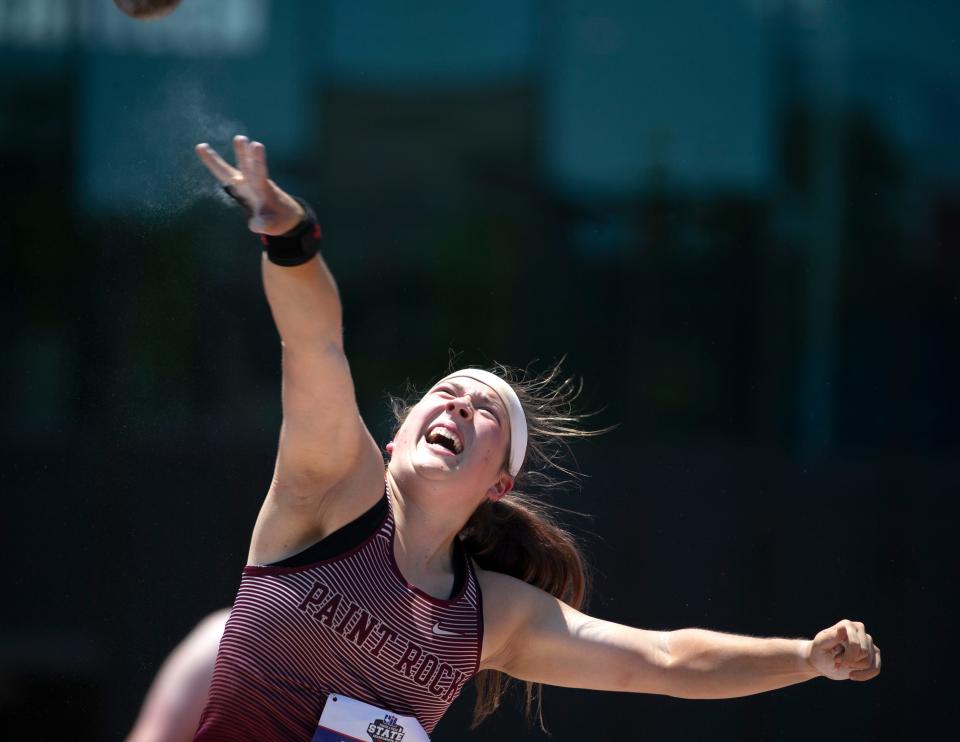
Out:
{"x": 519, "y": 535}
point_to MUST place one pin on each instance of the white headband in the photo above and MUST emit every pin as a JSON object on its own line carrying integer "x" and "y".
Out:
{"x": 518, "y": 421}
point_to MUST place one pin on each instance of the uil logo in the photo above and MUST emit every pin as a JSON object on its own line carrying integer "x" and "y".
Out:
{"x": 385, "y": 729}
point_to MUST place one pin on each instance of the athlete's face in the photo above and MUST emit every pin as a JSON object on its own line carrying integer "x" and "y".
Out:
{"x": 458, "y": 432}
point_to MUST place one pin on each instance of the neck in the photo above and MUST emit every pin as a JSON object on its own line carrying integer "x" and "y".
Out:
{"x": 424, "y": 540}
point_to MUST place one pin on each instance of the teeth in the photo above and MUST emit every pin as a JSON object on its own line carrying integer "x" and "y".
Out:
{"x": 441, "y": 432}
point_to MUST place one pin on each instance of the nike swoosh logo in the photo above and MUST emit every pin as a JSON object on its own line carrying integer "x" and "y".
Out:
{"x": 443, "y": 632}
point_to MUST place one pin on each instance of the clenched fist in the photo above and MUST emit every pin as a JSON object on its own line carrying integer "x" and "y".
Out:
{"x": 845, "y": 651}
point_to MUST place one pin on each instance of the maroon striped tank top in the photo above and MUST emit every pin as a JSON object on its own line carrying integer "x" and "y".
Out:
{"x": 350, "y": 624}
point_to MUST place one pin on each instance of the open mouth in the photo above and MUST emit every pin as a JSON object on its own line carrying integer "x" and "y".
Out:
{"x": 446, "y": 438}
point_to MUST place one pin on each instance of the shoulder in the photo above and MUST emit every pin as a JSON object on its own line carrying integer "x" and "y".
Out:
{"x": 300, "y": 511}
{"x": 509, "y": 604}
{"x": 502, "y": 588}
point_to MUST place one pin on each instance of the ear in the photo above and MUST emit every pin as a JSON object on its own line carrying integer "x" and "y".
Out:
{"x": 389, "y": 448}
{"x": 500, "y": 488}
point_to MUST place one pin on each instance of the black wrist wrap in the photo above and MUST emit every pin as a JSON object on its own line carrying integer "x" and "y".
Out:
{"x": 299, "y": 244}
{"x": 290, "y": 248}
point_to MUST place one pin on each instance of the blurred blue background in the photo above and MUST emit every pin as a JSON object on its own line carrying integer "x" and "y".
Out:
{"x": 740, "y": 221}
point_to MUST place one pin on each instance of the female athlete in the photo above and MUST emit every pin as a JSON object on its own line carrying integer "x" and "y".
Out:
{"x": 375, "y": 595}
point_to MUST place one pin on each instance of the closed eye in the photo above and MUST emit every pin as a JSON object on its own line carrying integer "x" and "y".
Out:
{"x": 489, "y": 409}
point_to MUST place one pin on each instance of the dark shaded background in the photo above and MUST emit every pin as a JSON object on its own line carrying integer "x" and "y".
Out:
{"x": 738, "y": 220}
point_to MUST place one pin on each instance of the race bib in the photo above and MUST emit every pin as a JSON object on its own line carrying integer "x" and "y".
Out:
{"x": 348, "y": 720}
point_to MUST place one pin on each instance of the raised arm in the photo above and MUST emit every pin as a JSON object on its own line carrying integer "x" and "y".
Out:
{"x": 535, "y": 637}
{"x": 328, "y": 466}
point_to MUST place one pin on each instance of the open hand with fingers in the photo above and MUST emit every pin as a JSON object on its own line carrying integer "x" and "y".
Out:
{"x": 845, "y": 651}
{"x": 272, "y": 211}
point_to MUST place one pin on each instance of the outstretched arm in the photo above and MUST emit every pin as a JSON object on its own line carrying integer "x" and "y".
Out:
{"x": 536, "y": 637}
{"x": 328, "y": 466}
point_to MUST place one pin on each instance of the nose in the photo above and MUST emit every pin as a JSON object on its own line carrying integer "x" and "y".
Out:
{"x": 461, "y": 406}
